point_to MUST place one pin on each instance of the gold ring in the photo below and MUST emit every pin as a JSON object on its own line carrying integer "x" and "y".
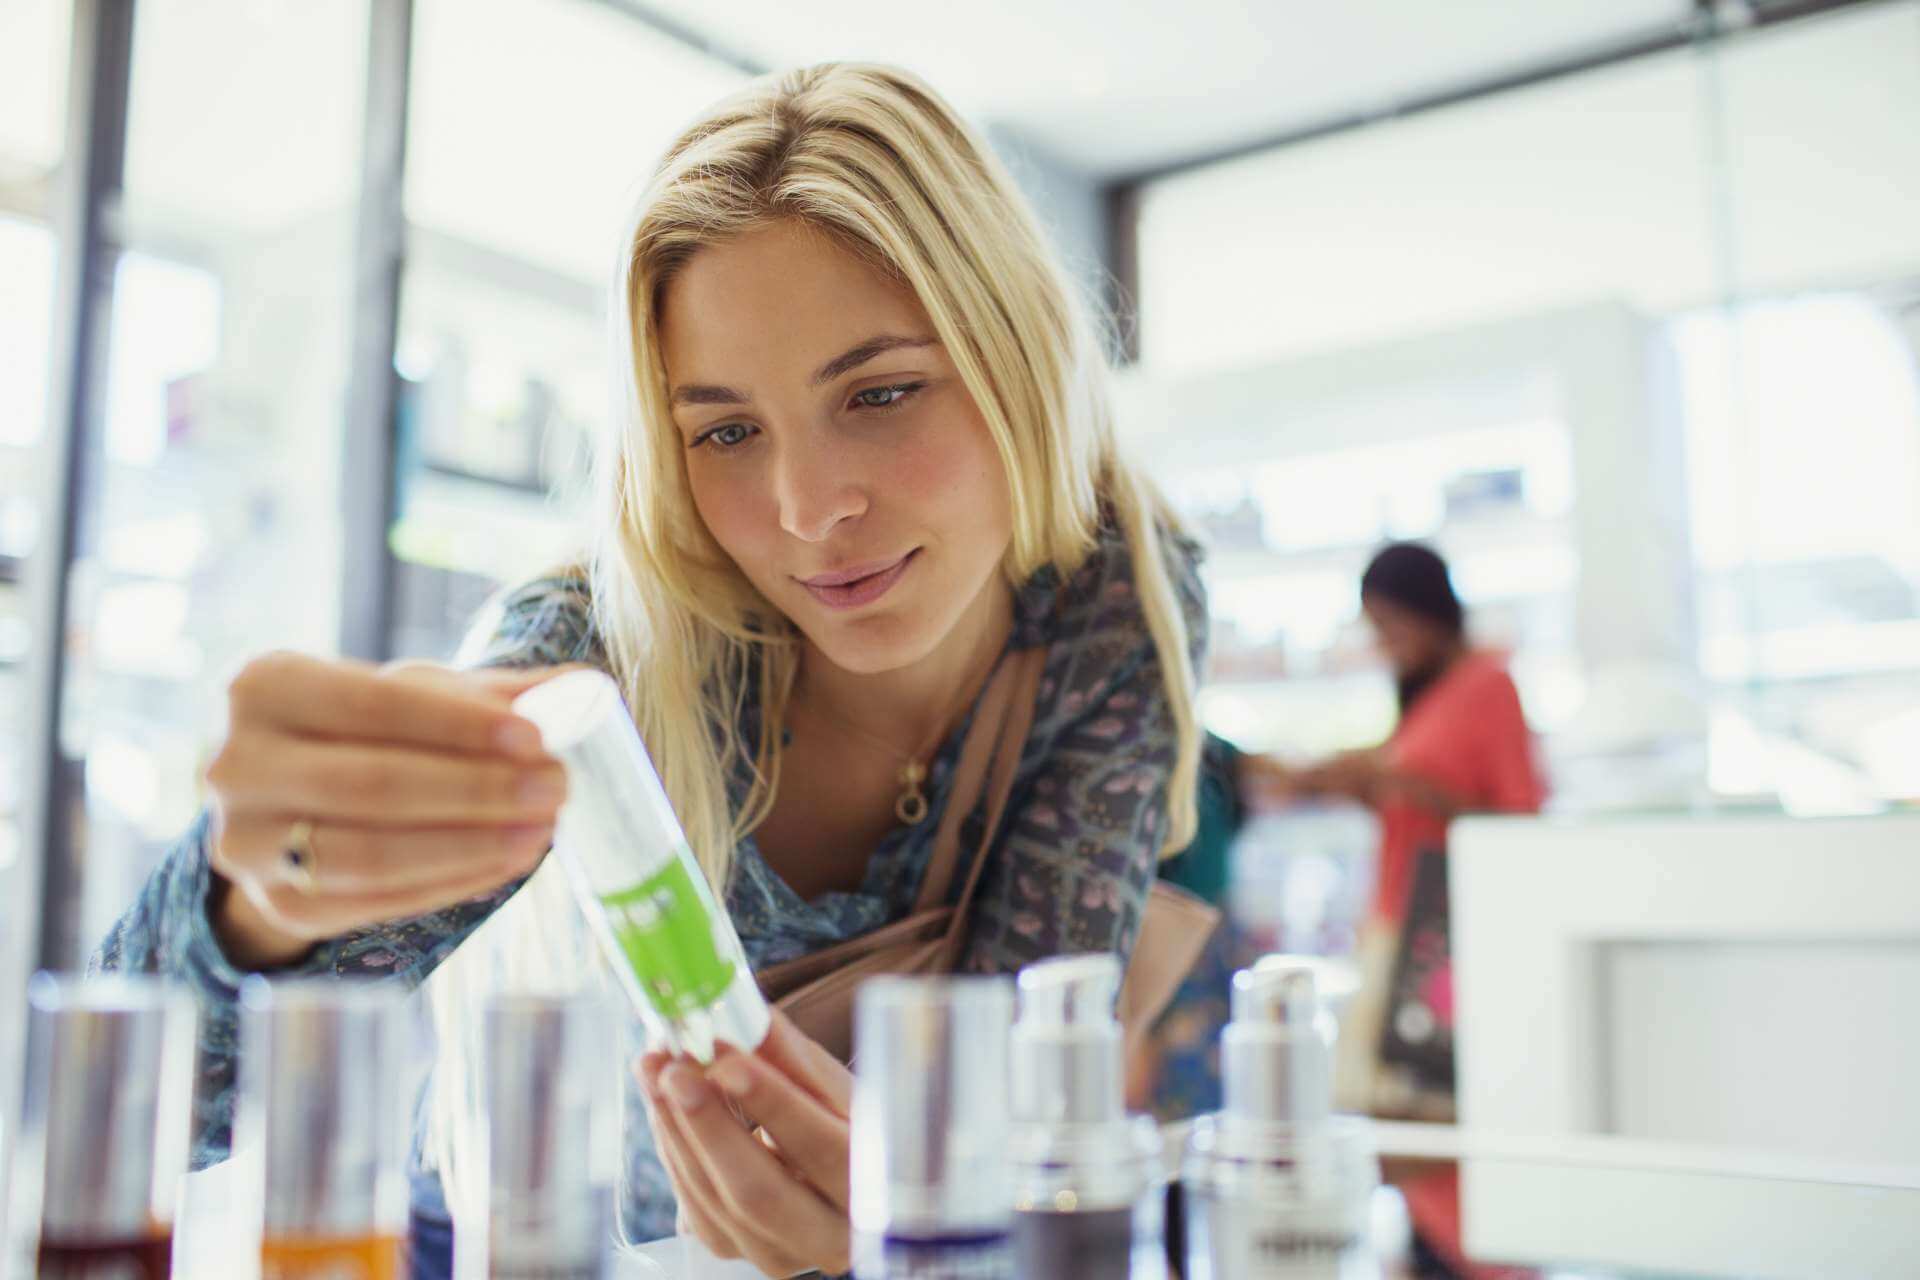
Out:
{"x": 302, "y": 862}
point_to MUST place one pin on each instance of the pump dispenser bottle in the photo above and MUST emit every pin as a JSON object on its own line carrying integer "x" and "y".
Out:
{"x": 1278, "y": 1187}
{"x": 1089, "y": 1194}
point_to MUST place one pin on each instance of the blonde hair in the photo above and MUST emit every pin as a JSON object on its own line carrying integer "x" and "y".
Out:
{"x": 872, "y": 157}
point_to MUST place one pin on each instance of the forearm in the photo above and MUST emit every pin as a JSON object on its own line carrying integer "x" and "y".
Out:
{"x": 168, "y": 932}
{"x": 1422, "y": 793}
{"x": 247, "y": 937}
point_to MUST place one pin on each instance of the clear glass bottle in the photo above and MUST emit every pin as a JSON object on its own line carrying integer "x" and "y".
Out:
{"x": 102, "y": 1145}
{"x": 322, "y": 1068}
{"x": 931, "y": 1193}
{"x": 552, "y": 1141}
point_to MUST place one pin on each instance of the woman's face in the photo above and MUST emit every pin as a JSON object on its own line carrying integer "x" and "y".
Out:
{"x": 832, "y": 449}
{"x": 1411, "y": 641}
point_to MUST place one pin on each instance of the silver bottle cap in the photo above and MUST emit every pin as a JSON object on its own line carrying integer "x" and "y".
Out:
{"x": 322, "y": 1072}
{"x": 1066, "y": 1043}
{"x": 617, "y": 829}
{"x": 1074, "y": 1147}
{"x": 930, "y": 1123}
{"x": 1335, "y": 980}
{"x": 1278, "y": 1050}
{"x": 552, "y": 1127}
{"x": 109, "y": 1106}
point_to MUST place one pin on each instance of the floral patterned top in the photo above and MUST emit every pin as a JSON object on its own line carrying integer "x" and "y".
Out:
{"x": 1072, "y": 863}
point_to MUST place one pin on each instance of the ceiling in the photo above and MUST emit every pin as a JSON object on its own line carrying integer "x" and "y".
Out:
{"x": 1118, "y": 89}
{"x": 531, "y": 118}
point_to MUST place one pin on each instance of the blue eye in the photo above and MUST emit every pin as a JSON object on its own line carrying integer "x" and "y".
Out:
{"x": 728, "y": 435}
{"x": 890, "y": 397}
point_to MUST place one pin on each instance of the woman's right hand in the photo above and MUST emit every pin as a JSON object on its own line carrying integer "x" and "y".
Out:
{"x": 420, "y": 786}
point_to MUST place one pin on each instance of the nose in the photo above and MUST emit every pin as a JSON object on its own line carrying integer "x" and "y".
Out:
{"x": 815, "y": 488}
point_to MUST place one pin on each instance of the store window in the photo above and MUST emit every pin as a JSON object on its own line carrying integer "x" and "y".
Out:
{"x": 1803, "y": 423}
{"x": 515, "y": 201}
{"x": 209, "y": 517}
{"x": 26, "y": 311}
{"x": 34, "y": 35}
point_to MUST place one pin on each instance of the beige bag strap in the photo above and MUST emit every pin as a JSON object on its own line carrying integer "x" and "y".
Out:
{"x": 1005, "y": 712}
{"x": 1008, "y": 699}
{"x": 1023, "y": 688}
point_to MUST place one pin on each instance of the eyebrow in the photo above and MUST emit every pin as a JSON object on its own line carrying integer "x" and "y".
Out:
{"x": 845, "y": 362}
{"x": 857, "y": 356}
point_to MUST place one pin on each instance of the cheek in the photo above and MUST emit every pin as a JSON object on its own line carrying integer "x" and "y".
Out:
{"x": 728, "y": 507}
{"x": 957, "y": 472}
{"x": 1408, "y": 649}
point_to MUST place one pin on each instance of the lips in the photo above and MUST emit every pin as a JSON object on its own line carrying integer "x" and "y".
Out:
{"x": 859, "y": 584}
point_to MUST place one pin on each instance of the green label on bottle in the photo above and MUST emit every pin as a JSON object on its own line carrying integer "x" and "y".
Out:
{"x": 662, "y": 926}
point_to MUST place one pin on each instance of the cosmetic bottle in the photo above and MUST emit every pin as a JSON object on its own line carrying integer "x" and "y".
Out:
{"x": 627, "y": 859}
{"x": 102, "y": 1146}
{"x": 931, "y": 1195}
{"x": 1089, "y": 1196}
{"x": 1276, "y": 1186}
{"x": 321, "y": 1103}
{"x": 551, "y": 1141}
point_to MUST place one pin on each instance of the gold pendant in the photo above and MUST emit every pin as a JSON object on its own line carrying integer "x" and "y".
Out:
{"x": 911, "y": 807}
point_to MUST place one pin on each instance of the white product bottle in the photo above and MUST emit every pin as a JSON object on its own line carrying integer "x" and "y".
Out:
{"x": 1277, "y": 1187}
{"x": 673, "y": 947}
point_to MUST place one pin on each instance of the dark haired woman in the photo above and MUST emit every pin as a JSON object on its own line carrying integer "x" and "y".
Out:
{"x": 1462, "y": 744}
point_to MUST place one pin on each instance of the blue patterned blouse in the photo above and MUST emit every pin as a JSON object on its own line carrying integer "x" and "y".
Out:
{"x": 1071, "y": 870}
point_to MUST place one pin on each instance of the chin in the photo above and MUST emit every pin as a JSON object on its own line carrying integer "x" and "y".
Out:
{"x": 871, "y": 646}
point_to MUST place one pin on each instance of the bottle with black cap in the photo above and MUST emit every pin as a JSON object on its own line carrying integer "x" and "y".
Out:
{"x": 1089, "y": 1193}
{"x": 1275, "y": 1184}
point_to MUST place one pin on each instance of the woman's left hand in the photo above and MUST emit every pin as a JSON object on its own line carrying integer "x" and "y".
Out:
{"x": 756, "y": 1145}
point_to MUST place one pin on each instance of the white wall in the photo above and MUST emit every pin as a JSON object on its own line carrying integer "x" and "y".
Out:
{"x": 1764, "y": 1044}
{"x": 1599, "y": 186}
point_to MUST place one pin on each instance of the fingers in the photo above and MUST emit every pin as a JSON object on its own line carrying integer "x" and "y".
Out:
{"x": 422, "y": 788}
{"x": 384, "y": 785}
{"x": 321, "y": 914}
{"x": 502, "y": 683}
{"x": 699, "y": 1204}
{"x": 802, "y": 1059}
{"x": 811, "y": 1138}
{"x": 776, "y": 1221}
{"x": 371, "y": 860}
{"x": 343, "y": 699}
{"x": 754, "y": 1187}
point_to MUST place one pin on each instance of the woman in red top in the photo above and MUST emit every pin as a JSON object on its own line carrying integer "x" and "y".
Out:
{"x": 1462, "y": 744}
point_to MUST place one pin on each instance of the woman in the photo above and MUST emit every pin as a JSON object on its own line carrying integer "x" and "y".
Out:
{"x": 1461, "y": 746}
{"x": 868, "y": 453}
{"x": 1462, "y": 743}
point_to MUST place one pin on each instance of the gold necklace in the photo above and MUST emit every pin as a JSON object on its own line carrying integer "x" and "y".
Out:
{"x": 910, "y": 807}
